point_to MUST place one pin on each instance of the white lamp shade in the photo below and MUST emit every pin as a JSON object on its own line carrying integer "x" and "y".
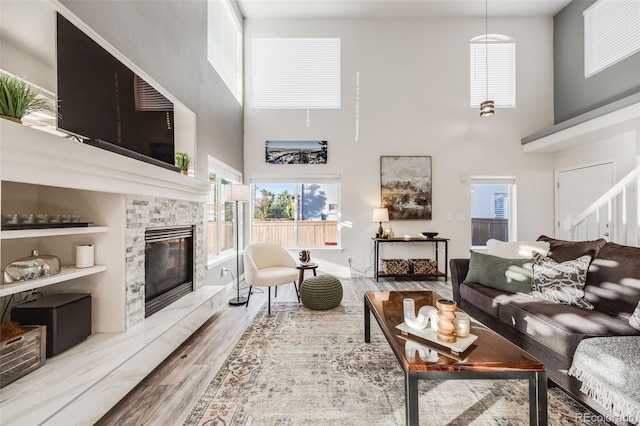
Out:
{"x": 380, "y": 215}
{"x": 236, "y": 192}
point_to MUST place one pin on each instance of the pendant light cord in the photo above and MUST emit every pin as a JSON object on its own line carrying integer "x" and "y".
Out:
{"x": 486, "y": 48}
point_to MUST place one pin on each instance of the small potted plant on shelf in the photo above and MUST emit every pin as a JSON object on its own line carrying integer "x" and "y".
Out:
{"x": 182, "y": 162}
{"x": 19, "y": 98}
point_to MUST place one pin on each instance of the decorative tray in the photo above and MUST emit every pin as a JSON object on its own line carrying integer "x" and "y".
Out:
{"x": 459, "y": 346}
{"x": 22, "y": 226}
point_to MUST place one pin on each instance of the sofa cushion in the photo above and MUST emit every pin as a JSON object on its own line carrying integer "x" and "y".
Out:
{"x": 485, "y": 298}
{"x": 561, "y": 250}
{"x": 561, "y": 282}
{"x": 516, "y": 249}
{"x": 512, "y": 275}
{"x": 560, "y": 327}
{"x": 613, "y": 281}
{"x": 634, "y": 320}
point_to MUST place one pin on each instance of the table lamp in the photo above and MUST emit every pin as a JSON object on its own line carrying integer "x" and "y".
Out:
{"x": 380, "y": 215}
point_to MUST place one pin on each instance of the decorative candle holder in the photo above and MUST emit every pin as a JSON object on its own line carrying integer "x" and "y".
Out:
{"x": 446, "y": 315}
{"x": 463, "y": 324}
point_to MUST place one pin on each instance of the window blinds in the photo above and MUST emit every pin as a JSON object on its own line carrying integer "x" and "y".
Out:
{"x": 224, "y": 45}
{"x": 611, "y": 33}
{"x": 296, "y": 73}
{"x": 502, "y": 73}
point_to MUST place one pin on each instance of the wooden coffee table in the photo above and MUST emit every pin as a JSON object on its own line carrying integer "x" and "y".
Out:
{"x": 490, "y": 356}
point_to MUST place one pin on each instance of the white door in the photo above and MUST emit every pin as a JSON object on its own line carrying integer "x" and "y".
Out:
{"x": 576, "y": 190}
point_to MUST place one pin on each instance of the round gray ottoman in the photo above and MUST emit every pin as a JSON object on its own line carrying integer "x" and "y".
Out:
{"x": 321, "y": 292}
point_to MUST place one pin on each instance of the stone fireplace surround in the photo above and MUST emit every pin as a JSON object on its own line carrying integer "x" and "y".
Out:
{"x": 81, "y": 384}
{"x": 153, "y": 212}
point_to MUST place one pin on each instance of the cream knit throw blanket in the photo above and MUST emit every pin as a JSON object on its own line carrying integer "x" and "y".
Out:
{"x": 609, "y": 368}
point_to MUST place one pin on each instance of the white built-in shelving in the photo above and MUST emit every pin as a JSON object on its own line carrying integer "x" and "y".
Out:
{"x": 51, "y": 232}
{"x": 66, "y": 272}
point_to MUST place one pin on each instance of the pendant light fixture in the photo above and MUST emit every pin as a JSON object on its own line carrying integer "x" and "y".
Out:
{"x": 487, "y": 107}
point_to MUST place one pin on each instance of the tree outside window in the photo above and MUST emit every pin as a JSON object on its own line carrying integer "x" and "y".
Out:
{"x": 296, "y": 214}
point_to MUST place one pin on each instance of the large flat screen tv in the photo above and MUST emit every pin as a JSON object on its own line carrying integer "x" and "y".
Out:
{"x": 106, "y": 104}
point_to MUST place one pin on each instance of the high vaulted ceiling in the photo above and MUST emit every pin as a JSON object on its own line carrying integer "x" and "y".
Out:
{"x": 355, "y": 9}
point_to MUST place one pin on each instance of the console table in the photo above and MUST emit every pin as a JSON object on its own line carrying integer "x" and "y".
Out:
{"x": 434, "y": 241}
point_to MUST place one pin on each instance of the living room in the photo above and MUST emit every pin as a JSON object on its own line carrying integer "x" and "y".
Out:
{"x": 404, "y": 92}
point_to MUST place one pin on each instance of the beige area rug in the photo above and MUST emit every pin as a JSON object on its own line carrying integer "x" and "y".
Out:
{"x": 305, "y": 367}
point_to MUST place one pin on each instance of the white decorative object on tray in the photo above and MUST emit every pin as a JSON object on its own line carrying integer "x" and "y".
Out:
{"x": 460, "y": 345}
{"x": 427, "y": 315}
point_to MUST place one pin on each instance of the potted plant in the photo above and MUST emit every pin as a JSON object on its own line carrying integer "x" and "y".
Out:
{"x": 18, "y": 98}
{"x": 182, "y": 162}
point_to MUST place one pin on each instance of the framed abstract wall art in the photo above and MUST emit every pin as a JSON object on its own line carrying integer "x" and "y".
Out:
{"x": 296, "y": 152}
{"x": 405, "y": 187}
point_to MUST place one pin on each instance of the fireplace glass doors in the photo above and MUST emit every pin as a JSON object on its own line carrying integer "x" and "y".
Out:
{"x": 168, "y": 266}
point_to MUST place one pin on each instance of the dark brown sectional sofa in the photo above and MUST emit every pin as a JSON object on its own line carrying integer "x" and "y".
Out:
{"x": 550, "y": 331}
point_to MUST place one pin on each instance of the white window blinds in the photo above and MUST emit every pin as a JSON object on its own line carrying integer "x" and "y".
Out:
{"x": 501, "y": 69}
{"x": 296, "y": 73}
{"x": 611, "y": 33}
{"x": 224, "y": 44}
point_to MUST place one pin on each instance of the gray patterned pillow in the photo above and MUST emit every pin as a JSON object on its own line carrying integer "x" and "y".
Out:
{"x": 634, "y": 320}
{"x": 561, "y": 282}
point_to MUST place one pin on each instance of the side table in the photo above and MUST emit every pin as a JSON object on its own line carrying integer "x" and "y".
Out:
{"x": 302, "y": 268}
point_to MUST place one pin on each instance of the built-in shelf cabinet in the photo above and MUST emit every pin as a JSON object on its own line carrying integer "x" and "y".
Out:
{"x": 66, "y": 272}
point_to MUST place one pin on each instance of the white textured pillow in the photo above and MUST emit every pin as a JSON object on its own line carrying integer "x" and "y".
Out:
{"x": 517, "y": 249}
{"x": 561, "y": 282}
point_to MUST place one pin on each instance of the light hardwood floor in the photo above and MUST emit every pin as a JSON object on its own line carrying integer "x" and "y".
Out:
{"x": 166, "y": 396}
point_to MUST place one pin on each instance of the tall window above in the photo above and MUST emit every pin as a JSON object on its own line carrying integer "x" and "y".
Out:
{"x": 296, "y": 212}
{"x": 611, "y": 33}
{"x": 224, "y": 44}
{"x": 296, "y": 72}
{"x": 499, "y": 51}
{"x": 492, "y": 209}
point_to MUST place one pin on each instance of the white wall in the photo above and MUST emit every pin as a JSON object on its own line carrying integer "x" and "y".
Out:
{"x": 414, "y": 100}
{"x": 623, "y": 150}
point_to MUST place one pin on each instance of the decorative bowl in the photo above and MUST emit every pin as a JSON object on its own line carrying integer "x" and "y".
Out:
{"x": 429, "y": 234}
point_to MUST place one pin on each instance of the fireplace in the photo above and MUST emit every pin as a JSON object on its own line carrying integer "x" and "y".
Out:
{"x": 168, "y": 266}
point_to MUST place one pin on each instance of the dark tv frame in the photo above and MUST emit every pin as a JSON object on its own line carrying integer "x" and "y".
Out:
{"x": 102, "y": 144}
{"x": 107, "y": 146}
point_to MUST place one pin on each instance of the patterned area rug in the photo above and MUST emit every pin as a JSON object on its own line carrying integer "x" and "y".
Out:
{"x": 305, "y": 367}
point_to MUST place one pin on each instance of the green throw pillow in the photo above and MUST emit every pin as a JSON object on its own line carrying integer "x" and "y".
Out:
{"x": 512, "y": 275}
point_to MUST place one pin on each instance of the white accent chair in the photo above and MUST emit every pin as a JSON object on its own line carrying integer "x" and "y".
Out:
{"x": 268, "y": 265}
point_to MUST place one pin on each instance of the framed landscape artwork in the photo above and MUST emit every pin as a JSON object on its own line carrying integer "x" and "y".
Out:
{"x": 405, "y": 187}
{"x": 296, "y": 152}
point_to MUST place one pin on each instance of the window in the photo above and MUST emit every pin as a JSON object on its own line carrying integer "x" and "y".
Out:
{"x": 611, "y": 33}
{"x": 220, "y": 214}
{"x": 296, "y": 213}
{"x": 224, "y": 44}
{"x": 296, "y": 73}
{"x": 492, "y": 209}
{"x": 501, "y": 52}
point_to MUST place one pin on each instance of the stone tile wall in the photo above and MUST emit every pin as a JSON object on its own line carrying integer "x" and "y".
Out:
{"x": 151, "y": 212}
